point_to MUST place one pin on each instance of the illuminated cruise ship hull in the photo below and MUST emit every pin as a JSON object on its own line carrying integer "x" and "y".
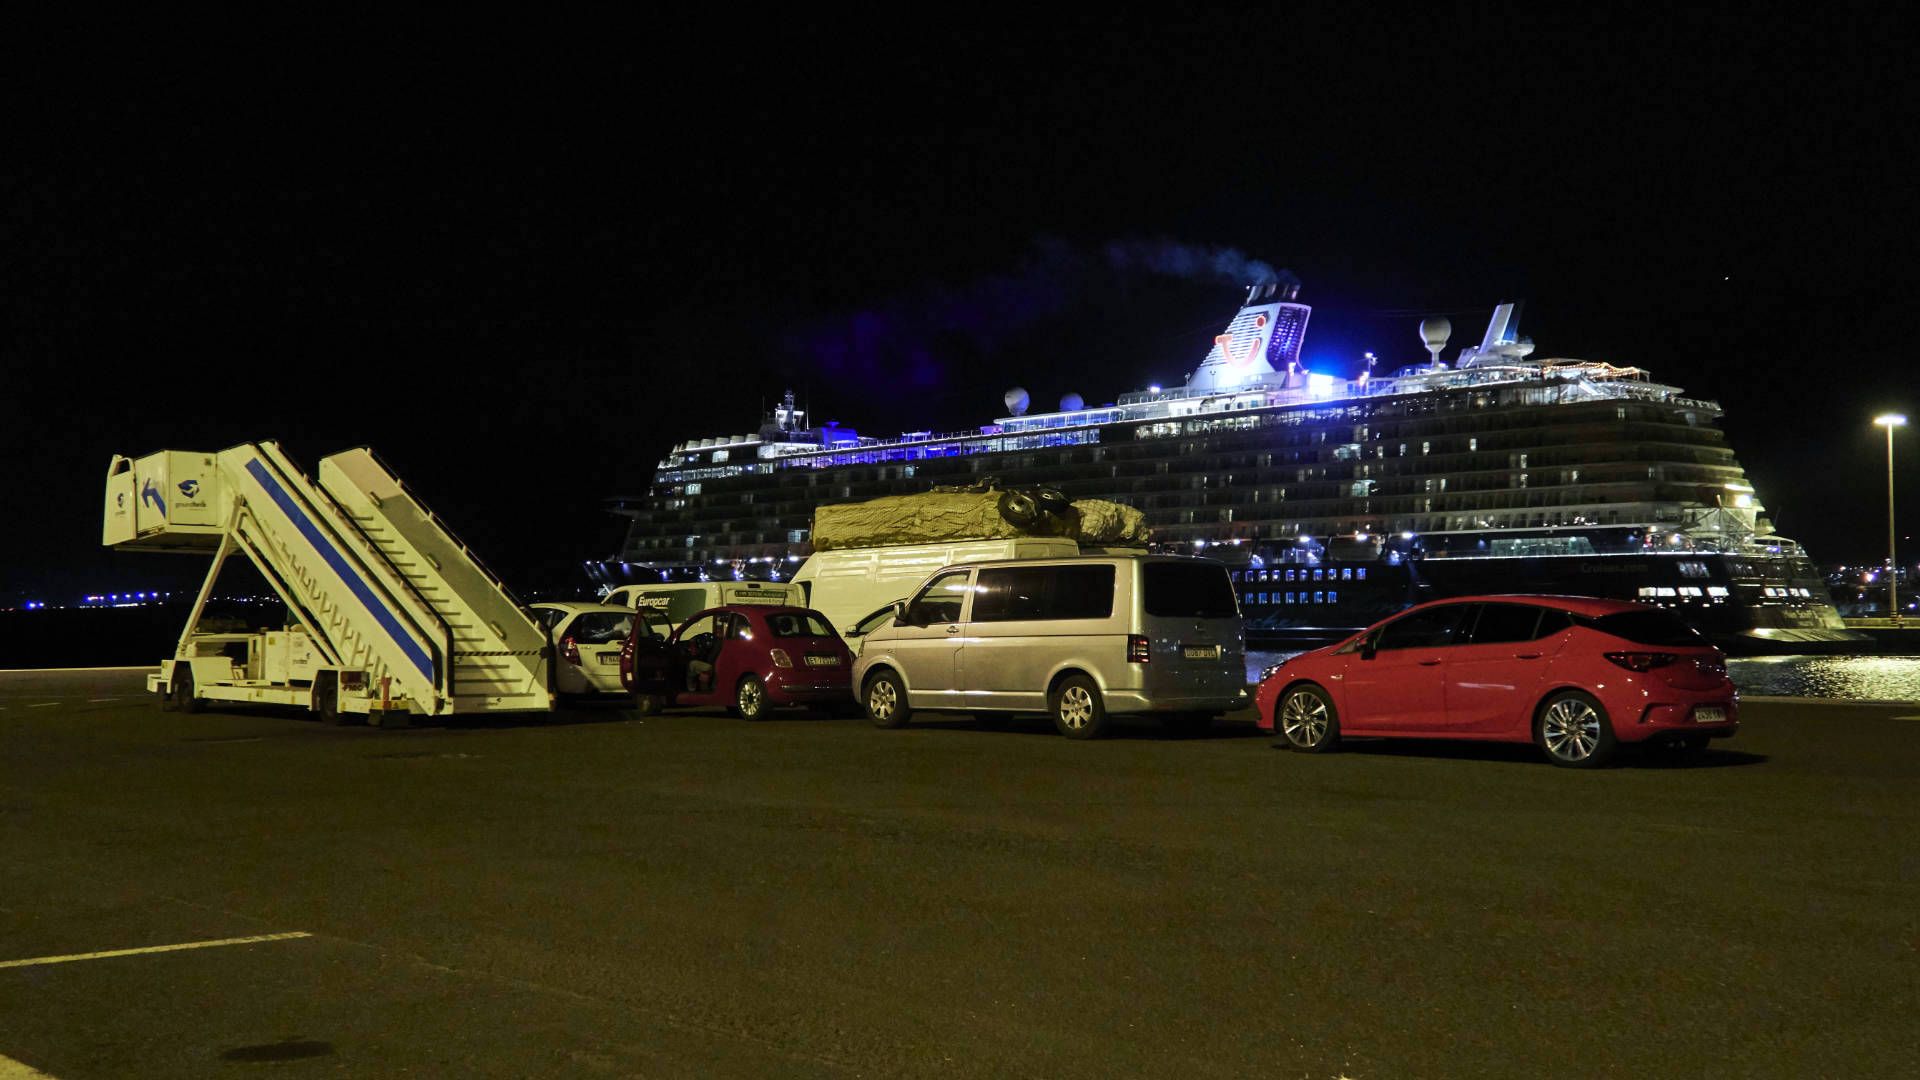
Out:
{"x": 1336, "y": 502}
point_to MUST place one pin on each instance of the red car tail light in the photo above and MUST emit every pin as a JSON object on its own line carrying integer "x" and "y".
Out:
{"x": 780, "y": 658}
{"x": 1138, "y": 649}
{"x": 569, "y": 651}
{"x": 1642, "y": 661}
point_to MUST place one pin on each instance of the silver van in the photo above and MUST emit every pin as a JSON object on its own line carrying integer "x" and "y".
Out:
{"x": 1077, "y": 638}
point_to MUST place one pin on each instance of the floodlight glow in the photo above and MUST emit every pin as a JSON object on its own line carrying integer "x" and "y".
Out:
{"x": 1892, "y": 420}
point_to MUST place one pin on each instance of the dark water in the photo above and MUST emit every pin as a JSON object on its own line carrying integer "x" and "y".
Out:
{"x": 1844, "y": 678}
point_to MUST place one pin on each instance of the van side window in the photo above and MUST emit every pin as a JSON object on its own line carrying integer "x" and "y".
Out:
{"x": 940, "y": 601}
{"x": 1044, "y": 592}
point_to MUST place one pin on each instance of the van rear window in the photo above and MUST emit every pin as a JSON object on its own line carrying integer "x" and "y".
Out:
{"x": 1193, "y": 590}
{"x": 1646, "y": 628}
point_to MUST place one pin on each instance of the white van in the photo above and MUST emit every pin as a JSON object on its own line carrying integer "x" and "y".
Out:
{"x": 1079, "y": 639}
{"x": 682, "y": 600}
{"x": 848, "y": 584}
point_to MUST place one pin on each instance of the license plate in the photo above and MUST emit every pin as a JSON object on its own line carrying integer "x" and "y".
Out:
{"x": 1709, "y": 714}
{"x": 1201, "y": 652}
{"x": 823, "y": 661}
{"x": 609, "y": 659}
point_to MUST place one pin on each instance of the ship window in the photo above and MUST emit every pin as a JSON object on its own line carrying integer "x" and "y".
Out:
{"x": 1473, "y": 444}
{"x": 1289, "y": 575}
{"x": 1716, "y": 590}
{"x": 1426, "y": 448}
{"x": 1319, "y": 598}
{"x": 1289, "y": 597}
{"x": 1361, "y": 574}
{"x": 693, "y": 489}
{"x": 1318, "y": 574}
{"x": 1333, "y": 598}
{"x": 1346, "y": 574}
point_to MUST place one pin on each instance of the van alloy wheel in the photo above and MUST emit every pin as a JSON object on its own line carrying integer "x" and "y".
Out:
{"x": 1078, "y": 712}
{"x": 886, "y": 701}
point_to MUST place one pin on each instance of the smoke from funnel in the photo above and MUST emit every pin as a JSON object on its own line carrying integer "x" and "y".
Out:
{"x": 1194, "y": 262}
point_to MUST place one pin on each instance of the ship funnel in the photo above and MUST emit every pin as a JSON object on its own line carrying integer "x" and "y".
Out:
{"x": 1263, "y": 339}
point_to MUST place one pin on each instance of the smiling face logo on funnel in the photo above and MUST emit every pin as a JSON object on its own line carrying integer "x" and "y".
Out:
{"x": 189, "y": 488}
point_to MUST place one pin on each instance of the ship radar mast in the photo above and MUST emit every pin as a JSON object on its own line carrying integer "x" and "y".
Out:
{"x": 1434, "y": 333}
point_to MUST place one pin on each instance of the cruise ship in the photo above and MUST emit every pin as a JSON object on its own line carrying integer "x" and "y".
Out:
{"x": 1335, "y": 501}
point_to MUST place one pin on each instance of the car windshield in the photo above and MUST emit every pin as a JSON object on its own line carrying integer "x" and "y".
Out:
{"x": 1649, "y": 627}
{"x": 600, "y": 627}
{"x": 867, "y": 625}
{"x": 787, "y": 624}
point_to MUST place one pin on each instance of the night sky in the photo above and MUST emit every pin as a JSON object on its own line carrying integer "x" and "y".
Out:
{"x": 524, "y": 263}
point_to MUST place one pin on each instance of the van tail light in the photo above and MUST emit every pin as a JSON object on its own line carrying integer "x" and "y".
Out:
{"x": 780, "y": 658}
{"x": 1642, "y": 661}
{"x": 570, "y": 651}
{"x": 1137, "y": 652}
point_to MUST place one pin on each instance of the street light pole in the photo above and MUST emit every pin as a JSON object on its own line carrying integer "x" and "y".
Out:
{"x": 1891, "y": 421}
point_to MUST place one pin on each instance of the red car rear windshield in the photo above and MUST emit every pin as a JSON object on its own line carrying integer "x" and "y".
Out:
{"x": 1646, "y": 628}
{"x": 798, "y": 624}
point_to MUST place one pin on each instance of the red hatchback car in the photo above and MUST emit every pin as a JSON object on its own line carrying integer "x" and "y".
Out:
{"x": 748, "y": 657}
{"x": 1574, "y": 675}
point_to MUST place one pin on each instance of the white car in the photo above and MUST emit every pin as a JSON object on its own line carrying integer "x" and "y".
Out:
{"x": 586, "y": 642}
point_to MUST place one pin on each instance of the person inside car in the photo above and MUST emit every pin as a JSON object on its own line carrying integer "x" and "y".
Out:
{"x": 700, "y": 660}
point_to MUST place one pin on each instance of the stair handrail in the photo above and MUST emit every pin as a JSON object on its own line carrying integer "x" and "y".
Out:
{"x": 283, "y": 463}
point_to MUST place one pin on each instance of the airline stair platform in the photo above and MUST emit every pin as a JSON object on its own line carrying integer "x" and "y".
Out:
{"x": 390, "y": 614}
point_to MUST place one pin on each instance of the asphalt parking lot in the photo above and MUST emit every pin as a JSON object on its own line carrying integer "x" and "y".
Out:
{"x": 595, "y": 894}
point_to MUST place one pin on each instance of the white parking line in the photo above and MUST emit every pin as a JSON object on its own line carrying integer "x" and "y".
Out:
{"x": 16, "y": 1071}
{"x": 96, "y": 700}
{"x": 13, "y": 1070}
{"x": 152, "y": 949}
{"x": 43, "y": 705}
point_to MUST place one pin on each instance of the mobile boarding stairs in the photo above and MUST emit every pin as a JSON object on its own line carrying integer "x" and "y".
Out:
{"x": 391, "y": 614}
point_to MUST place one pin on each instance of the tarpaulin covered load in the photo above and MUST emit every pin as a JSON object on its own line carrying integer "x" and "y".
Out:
{"x": 976, "y": 514}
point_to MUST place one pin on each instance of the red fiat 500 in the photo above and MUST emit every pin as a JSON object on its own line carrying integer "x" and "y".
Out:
{"x": 748, "y": 657}
{"x": 1574, "y": 675}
